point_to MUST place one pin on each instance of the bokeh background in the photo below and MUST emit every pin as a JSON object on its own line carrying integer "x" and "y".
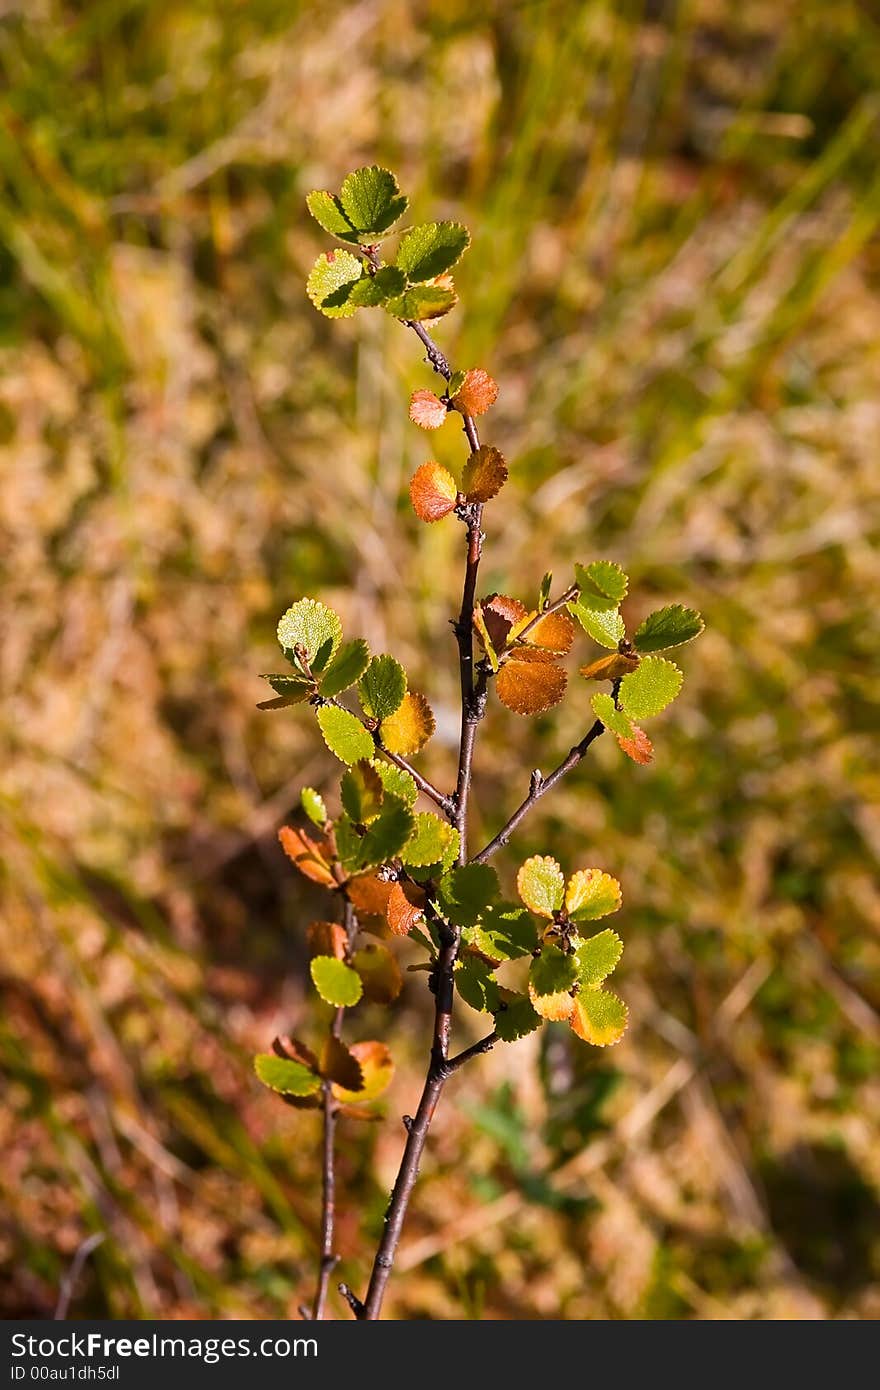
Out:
{"x": 675, "y": 277}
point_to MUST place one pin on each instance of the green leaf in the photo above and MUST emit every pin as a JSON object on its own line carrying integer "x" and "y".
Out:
{"x": 431, "y": 248}
{"x": 396, "y": 781}
{"x": 604, "y": 625}
{"x": 597, "y": 956}
{"x": 285, "y": 1076}
{"x": 328, "y": 213}
{"x": 330, "y": 283}
{"x": 421, "y": 302}
{"x": 389, "y": 833}
{"x": 541, "y": 885}
{"x": 599, "y": 1017}
{"x": 313, "y": 805}
{"x": 335, "y": 981}
{"x": 314, "y": 627}
{"x": 544, "y": 591}
{"x": 347, "y": 666}
{"x": 602, "y": 583}
{"x": 294, "y": 689}
{"x": 371, "y": 199}
{"x": 591, "y": 894}
{"x": 668, "y": 627}
{"x": 505, "y": 932}
{"x": 613, "y": 718}
{"x": 455, "y": 383}
{"x": 378, "y": 289}
{"x": 433, "y": 871}
{"x": 362, "y": 793}
{"x": 382, "y": 687}
{"x": 466, "y": 891}
{"x": 430, "y": 840}
{"x": 477, "y": 985}
{"x": 552, "y": 972}
{"x": 349, "y": 841}
{"x": 650, "y": 688}
{"x": 516, "y": 1018}
{"x": 344, "y": 734}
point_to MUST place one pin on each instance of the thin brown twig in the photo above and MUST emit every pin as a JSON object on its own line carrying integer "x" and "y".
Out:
{"x": 568, "y": 597}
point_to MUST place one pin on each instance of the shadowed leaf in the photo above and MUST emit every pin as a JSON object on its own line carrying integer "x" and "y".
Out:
{"x": 466, "y": 891}
{"x": 373, "y": 290}
{"x": 505, "y": 932}
{"x": 422, "y": 302}
{"x": 347, "y": 666}
{"x": 340, "y": 1065}
{"x": 327, "y": 939}
{"x": 328, "y": 212}
{"x": 551, "y": 977}
{"x": 515, "y": 1017}
{"x": 379, "y": 972}
{"x": 500, "y": 614}
{"x": 477, "y": 985}
{"x": 377, "y": 1069}
{"x": 362, "y": 792}
{"x": 404, "y": 908}
{"x": 433, "y": 492}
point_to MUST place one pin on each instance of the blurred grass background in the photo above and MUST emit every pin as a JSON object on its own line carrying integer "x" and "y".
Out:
{"x": 675, "y": 276}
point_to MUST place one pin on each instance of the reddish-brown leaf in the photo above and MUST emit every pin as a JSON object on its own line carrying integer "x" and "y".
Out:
{"x": 500, "y": 614}
{"x": 484, "y": 474}
{"x": 327, "y": 939}
{"x": 433, "y": 492}
{"x": 310, "y": 856}
{"x": 610, "y": 668}
{"x": 477, "y": 392}
{"x": 295, "y": 1051}
{"x": 530, "y": 681}
{"x": 427, "y": 410}
{"x": 404, "y": 908}
{"x": 339, "y": 1064}
{"x": 639, "y": 747}
{"x": 377, "y": 1068}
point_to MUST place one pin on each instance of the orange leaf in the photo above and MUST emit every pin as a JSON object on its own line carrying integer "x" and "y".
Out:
{"x": 554, "y": 632}
{"x": 530, "y": 681}
{"x": 554, "y": 1007}
{"x": 327, "y": 939}
{"x": 484, "y": 474}
{"x": 500, "y": 614}
{"x": 368, "y": 895}
{"x": 404, "y": 908}
{"x": 307, "y": 854}
{"x": 610, "y": 668}
{"x": 427, "y": 410}
{"x": 409, "y": 727}
{"x": 433, "y": 492}
{"x": 477, "y": 392}
{"x": 639, "y": 747}
{"x": 339, "y": 1064}
{"x": 377, "y": 1068}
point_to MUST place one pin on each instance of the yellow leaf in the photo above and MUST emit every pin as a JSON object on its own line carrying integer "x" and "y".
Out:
{"x": 408, "y": 729}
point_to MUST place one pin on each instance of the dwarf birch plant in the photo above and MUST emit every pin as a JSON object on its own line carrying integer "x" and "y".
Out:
{"x": 390, "y": 869}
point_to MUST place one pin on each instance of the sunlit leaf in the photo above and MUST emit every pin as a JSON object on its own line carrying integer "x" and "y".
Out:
{"x": 484, "y": 474}
{"x": 371, "y": 200}
{"x": 505, "y": 932}
{"x": 396, "y": 781}
{"x": 651, "y": 688}
{"x": 405, "y": 908}
{"x": 604, "y": 625}
{"x": 590, "y": 894}
{"x": 530, "y": 681}
{"x": 335, "y": 981}
{"x": 596, "y": 957}
{"x": 331, "y": 281}
{"x": 438, "y": 867}
{"x": 639, "y": 747}
{"x": 476, "y": 393}
{"x": 553, "y": 633}
{"x": 602, "y": 583}
{"x": 668, "y": 627}
{"x": 599, "y": 1017}
{"x": 347, "y": 666}
{"x": 427, "y": 410}
{"x": 431, "y": 248}
{"x": 466, "y": 891}
{"x": 310, "y": 856}
{"x": 312, "y": 627}
{"x": 515, "y": 1017}
{"x": 313, "y": 805}
{"x": 362, "y": 792}
{"x": 286, "y": 1077}
{"x": 433, "y": 492}
{"x": 613, "y": 718}
{"x": 344, "y": 734}
{"x": 373, "y": 290}
{"x": 422, "y": 302}
{"x": 382, "y": 687}
{"x": 327, "y": 939}
{"x": 328, "y": 212}
{"x": 379, "y": 972}
{"x": 377, "y": 1069}
{"x": 541, "y": 885}
{"x": 368, "y": 895}
{"x": 477, "y": 985}
{"x": 610, "y": 668}
{"x": 430, "y": 839}
{"x": 409, "y": 728}
{"x": 551, "y": 977}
